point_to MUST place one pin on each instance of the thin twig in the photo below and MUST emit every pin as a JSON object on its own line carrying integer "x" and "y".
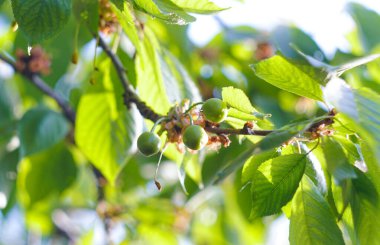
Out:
{"x": 243, "y": 131}
{"x": 129, "y": 95}
{"x": 41, "y": 85}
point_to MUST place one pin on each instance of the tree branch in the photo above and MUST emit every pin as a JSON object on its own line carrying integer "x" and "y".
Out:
{"x": 246, "y": 130}
{"x": 243, "y": 131}
{"x": 129, "y": 95}
{"x": 41, "y": 85}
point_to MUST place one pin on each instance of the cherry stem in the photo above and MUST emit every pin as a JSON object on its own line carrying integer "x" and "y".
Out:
{"x": 156, "y": 182}
{"x": 158, "y": 122}
{"x": 190, "y": 118}
{"x": 192, "y": 106}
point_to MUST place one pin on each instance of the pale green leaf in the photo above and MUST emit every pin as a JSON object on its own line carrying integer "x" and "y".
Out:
{"x": 282, "y": 73}
{"x": 199, "y": 6}
{"x": 339, "y": 70}
{"x": 39, "y": 129}
{"x": 237, "y": 99}
{"x": 165, "y": 10}
{"x": 251, "y": 165}
{"x": 105, "y": 131}
{"x": 275, "y": 182}
{"x": 41, "y": 19}
{"x": 127, "y": 22}
{"x": 177, "y": 79}
{"x": 327, "y": 71}
{"x": 150, "y": 83}
{"x": 312, "y": 222}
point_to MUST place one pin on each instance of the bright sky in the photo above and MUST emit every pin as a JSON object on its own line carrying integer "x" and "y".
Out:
{"x": 325, "y": 20}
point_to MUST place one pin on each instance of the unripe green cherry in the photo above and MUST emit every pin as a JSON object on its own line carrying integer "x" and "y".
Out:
{"x": 195, "y": 137}
{"x": 149, "y": 143}
{"x": 215, "y": 110}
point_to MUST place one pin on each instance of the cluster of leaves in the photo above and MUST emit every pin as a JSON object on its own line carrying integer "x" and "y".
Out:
{"x": 326, "y": 185}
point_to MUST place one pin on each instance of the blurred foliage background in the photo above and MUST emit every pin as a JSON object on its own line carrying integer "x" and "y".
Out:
{"x": 49, "y": 193}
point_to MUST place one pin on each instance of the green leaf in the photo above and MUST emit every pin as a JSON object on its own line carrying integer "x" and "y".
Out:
{"x": 41, "y": 19}
{"x": 339, "y": 70}
{"x": 165, "y": 10}
{"x": 105, "y": 131}
{"x": 286, "y": 36}
{"x": 150, "y": 83}
{"x": 366, "y": 21}
{"x": 87, "y": 11}
{"x": 251, "y": 165}
{"x": 336, "y": 160}
{"x": 39, "y": 129}
{"x": 177, "y": 79}
{"x": 297, "y": 79}
{"x": 366, "y": 212}
{"x": 360, "y": 105}
{"x": 271, "y": 141}
{"x": 237, "y": 99}
{"x": 45, "y": 174}
{"x": 312, "y": 221}
{"x": 275, "y": 182}
{"x": 366, "y": 221}
{"x": 199, "y": 6}
{"x": 126, "y": 20}
{"x": 364, "y": 187}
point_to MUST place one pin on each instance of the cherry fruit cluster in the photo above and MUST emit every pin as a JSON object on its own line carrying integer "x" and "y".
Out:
{"x": 185, "y": 125}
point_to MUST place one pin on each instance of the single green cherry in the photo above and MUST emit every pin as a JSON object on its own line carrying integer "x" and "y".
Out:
{"x": 149, "y": 143}
{"x": 195, "y": 137}
{"x": 215, "y": 110}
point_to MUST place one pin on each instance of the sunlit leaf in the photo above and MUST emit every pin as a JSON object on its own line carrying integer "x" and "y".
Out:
{"x": 339, "y": 70}
{"x": 41, "y": 19}
{"x": 288, "y": 76}
{"x": 312, "y": 221}
{"x": 127, "y": 22}
{"x": 251, "y": 165}
{"x": 165, "y": 10}
{"x": 39, "y": 129}
{"x": 199, "y": 7}
{"x": 105, "y": 131}
{"x": 236, "y": 98}
{"x": 274, "y": 183}
{"x": 150, "y": 84}
{"x": 177, "y": 79}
